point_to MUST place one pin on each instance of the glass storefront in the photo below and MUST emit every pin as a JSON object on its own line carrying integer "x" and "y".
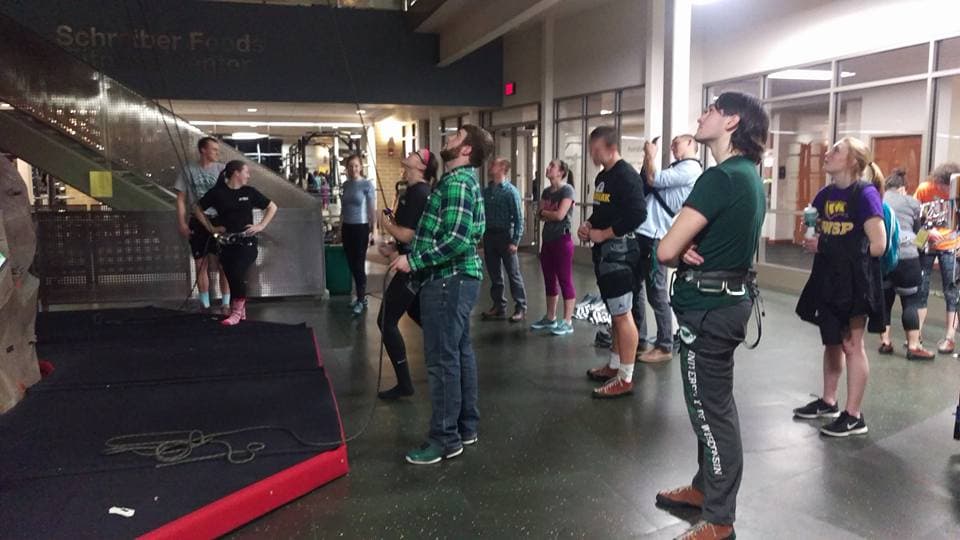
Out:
{"x": 577, "y": 116}
{"x": 907, "y": 114}
{"x": 516, "y": 137}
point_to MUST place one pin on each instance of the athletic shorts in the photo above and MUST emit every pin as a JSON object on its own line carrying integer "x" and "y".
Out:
{"x": 201, "y": 243}
{"x": 617, "y": 281}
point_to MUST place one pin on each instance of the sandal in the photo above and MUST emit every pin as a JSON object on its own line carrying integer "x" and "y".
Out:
{"x": 946, "y": 346}
{"x": 885, "y": 348}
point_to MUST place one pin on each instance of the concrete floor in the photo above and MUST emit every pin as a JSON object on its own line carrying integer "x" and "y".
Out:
{"x": 554, "y": 463}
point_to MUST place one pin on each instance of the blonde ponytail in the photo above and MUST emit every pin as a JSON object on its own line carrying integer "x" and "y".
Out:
{"x": 862, "y": 165}
{"x": 874, "y": 175}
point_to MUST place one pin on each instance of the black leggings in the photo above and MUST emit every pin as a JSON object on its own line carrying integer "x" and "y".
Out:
{"x": 907, "y": 276}
{"x": 397, "y": 300}
{"x": 355, "y": 238}
{"x": 236, "y": 260}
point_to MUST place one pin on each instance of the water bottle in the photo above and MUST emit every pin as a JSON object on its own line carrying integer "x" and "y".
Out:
{"x": 810, "y": 220}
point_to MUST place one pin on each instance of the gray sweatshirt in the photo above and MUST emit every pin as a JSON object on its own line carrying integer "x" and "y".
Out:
{"x": 907, "y": 210}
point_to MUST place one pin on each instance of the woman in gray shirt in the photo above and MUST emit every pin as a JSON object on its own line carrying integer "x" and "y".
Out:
{"x": 556, "y": 251}
{"x": 358, "y": 207}
{"x": 905, "y": 279}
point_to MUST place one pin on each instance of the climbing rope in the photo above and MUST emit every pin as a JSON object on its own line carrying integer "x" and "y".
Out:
{"x": 169, "y": 448}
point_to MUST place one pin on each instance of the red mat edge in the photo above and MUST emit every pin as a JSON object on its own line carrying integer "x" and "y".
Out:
{"x": 257, "y": 499}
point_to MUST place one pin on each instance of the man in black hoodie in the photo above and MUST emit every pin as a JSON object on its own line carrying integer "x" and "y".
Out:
{"x": 619, "y": 208}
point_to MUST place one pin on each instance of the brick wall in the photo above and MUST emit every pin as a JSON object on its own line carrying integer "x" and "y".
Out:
{"x": 388, "y": 166}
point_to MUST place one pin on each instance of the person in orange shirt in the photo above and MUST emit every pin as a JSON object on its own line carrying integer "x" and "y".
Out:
{"x": 942, "y": 244}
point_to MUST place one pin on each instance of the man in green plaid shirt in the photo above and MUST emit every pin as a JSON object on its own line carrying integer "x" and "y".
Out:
{"x": 444, "y": 257}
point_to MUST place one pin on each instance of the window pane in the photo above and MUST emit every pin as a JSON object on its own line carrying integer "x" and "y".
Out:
{"x": 794, "y": 81}
{"x": 631, "y": 99}
{"x": 890, "y": 120}
{"x": 948, "y": 55}
{"x": 515, "y": 115}
{"x": 631, "y": 139}
{"x": 568, "y": 108}
{"x": 946, "y": 144}
{"x": 571, "y": 150}
{"x": 602, "y": 104}
{"x": 885, "y": 65}
{"x": 746, "y": 86}
{"x": 793, "y": 173}
{"x": 591, "y": 169}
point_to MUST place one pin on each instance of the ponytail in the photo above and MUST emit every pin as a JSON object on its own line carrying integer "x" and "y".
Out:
{"x": 875, "y": 175}
{"x": 863, "y": 165}
{"x": 232, "y": 168}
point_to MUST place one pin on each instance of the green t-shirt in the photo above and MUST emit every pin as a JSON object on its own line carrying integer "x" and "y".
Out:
{"x": 731, "y": 197}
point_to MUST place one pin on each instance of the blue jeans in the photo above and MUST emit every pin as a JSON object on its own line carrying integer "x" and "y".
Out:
{"x": 948, "y": 261}
{"x": 445, "y": 306}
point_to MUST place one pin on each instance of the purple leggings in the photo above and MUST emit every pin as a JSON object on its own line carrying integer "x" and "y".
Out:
{"x": 556, "y": 260}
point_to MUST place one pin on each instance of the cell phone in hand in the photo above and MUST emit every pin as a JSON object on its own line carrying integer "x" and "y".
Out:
{"x": 388, "y": 212}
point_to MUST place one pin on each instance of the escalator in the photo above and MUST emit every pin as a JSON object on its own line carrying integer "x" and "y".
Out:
{"x": 70, "y": 119}
{"x": 126, "y": 151}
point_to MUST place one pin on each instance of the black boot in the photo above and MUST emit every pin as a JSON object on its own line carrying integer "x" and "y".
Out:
{"x": 404, "y": 385}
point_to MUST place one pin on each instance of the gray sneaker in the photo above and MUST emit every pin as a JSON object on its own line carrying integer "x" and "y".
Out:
{"x": 543, "y": 324}
{"x": 562, "y": 328}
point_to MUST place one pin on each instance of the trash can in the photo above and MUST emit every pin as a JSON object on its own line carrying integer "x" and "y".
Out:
{"x": 339, "y": 280}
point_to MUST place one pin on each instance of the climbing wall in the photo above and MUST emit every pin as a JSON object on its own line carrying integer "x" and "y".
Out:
{"x": 18, "y": 289}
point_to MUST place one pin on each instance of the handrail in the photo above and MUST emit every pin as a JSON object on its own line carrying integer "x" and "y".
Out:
{"x": 134, "y": 133}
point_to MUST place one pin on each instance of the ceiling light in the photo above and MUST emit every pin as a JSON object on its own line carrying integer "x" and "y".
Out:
{"x": 807, "y": 75}
{"x": 702, "y": 2}
{"x": 355, "y": 136}
{"x": 247, "y": 123}
{"x": 246, "y": 136}
{"x": 5, "y": 107}
{"x": 604, "y": 112}
{"x": 252, "y": 109}
{"x": 361, "y": 111}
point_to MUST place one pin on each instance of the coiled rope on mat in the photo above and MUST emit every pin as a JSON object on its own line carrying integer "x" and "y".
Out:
{"x": 169, "y": 448}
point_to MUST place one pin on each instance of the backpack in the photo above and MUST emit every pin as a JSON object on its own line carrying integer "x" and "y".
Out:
{"x": 891, "y": 255}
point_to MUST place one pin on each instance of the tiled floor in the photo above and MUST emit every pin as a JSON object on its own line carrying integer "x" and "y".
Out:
{"x": 553, "y": 463}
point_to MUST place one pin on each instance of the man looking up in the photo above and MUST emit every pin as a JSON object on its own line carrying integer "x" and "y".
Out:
{"x": 666, "y": 190}
{"x": 444, "y": 257}
{"x": 618, "y": 209}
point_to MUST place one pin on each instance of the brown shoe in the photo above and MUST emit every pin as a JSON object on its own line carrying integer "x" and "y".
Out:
{"x": 656, "y": 355}
{"x": 518, "y": 316}
{"x": 493, "y": 314}
{"x": 946, "y": 346}
{"x": 681, "y": 497}
{"x": 708, "y": 531}
{"x": 602, "y": 374}
{"x": 614, "y": 388}
{"x": 920, "y": 354}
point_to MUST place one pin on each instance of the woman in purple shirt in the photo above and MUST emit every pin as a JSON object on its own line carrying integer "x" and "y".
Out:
{"x": 845, "y": 287}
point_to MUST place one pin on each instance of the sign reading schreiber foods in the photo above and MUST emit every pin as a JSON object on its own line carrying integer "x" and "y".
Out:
{"x": 217, "y": 54}
{"x": 230, "y": 51}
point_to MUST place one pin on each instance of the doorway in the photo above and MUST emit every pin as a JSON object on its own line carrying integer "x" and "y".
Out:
{"x": 520, "y": 144}
{"x": 899, "y": 152}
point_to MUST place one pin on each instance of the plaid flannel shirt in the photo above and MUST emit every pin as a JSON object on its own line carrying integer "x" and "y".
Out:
{"x": 450, "y": 229}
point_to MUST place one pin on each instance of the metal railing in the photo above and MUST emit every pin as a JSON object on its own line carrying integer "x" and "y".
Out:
{"x": 144, "y": 144}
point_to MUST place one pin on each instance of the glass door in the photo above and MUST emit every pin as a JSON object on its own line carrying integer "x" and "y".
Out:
{"x": 519, "y": 145}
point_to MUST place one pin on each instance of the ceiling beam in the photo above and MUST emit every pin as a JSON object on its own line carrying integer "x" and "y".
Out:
{"x": 478, "y": 23}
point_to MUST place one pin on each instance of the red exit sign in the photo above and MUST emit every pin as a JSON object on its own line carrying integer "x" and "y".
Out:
{"x": 509, "y": 88}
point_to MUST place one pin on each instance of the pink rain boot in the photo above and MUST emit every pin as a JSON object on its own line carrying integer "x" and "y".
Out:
{"x": 238, "y": 312}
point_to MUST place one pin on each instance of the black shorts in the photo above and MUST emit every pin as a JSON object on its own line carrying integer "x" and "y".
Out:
{"x": 201, "y": 243}
{"x": 906, "y": 277}
{"x": 616, "y": 280}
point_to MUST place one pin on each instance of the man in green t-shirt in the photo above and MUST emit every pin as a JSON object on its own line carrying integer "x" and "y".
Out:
{"x": 713, "y": 243}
